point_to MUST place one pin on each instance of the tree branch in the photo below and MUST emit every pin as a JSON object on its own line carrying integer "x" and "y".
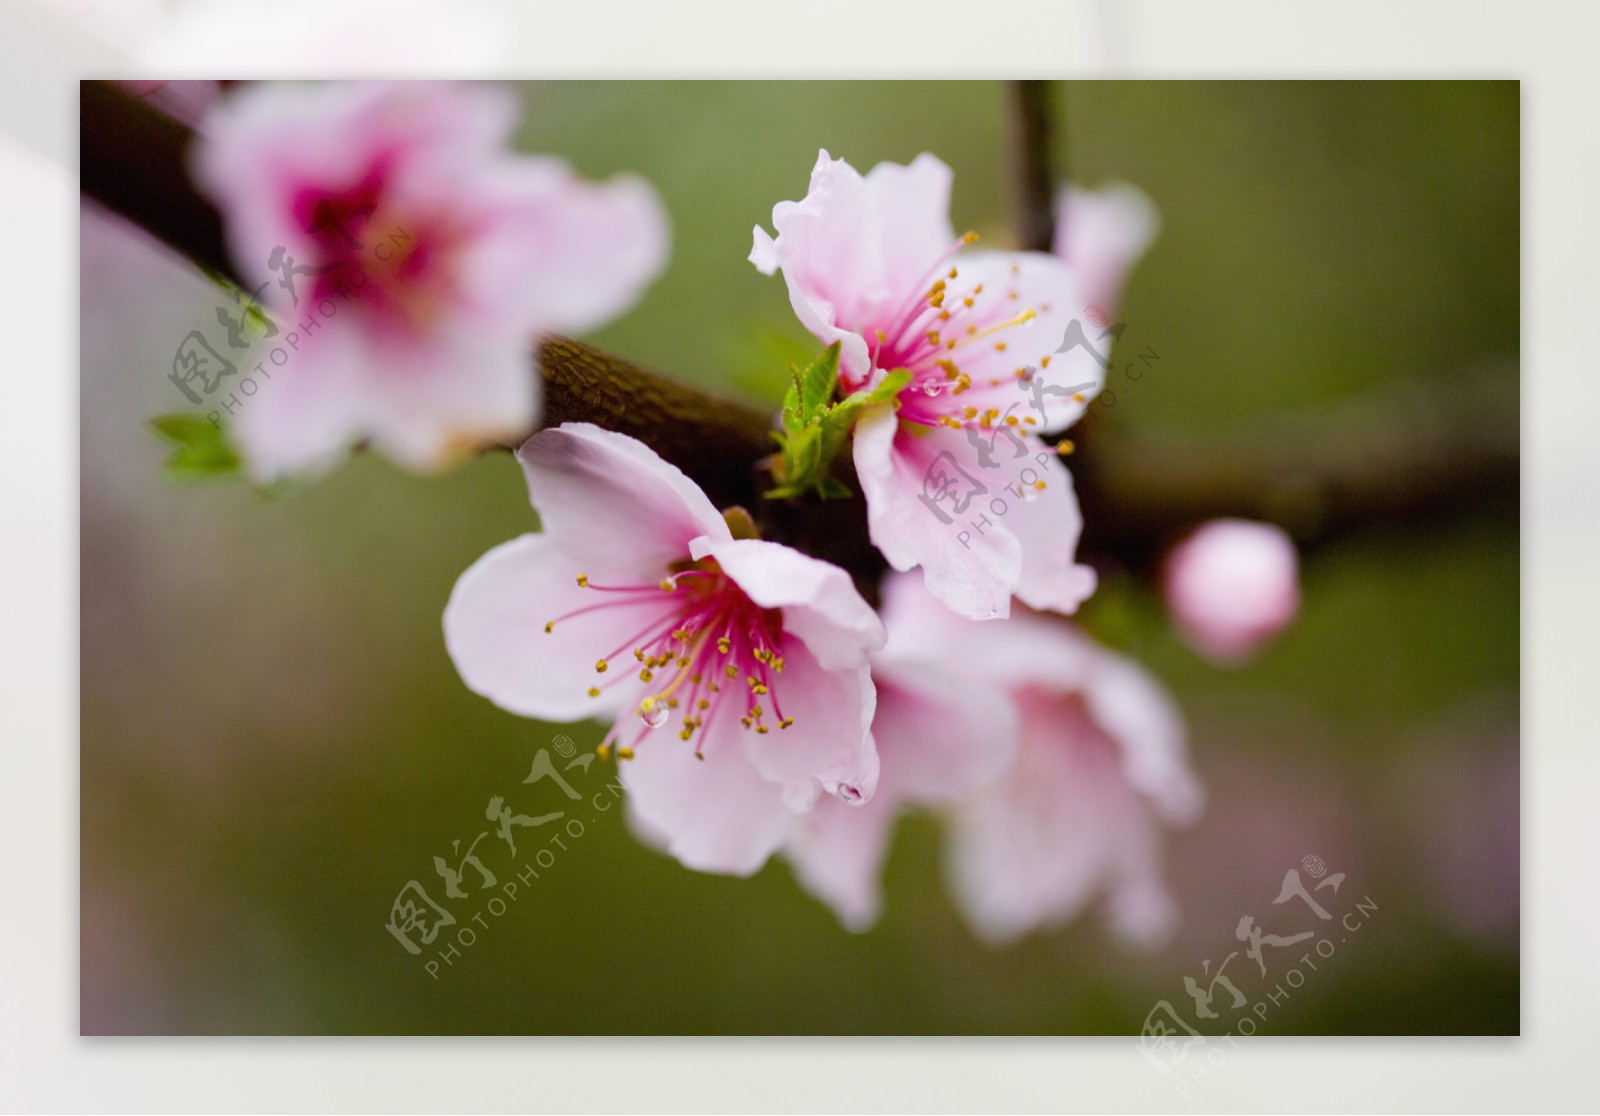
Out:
{"x": 1033, "y": 179}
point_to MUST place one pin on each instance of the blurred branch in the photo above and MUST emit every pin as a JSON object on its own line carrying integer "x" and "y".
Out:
{"x": 1033, "y": 179}
{"x": 1390, "y": 459}
{"x": 1401, "y": 457}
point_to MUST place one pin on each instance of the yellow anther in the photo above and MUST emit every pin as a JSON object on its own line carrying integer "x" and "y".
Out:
{"x": 1040, "y": 485}
{"x": 933, "y": 337}
{"x": 967, "y": 302}
{"x": 1011, "y": 420}
{"x": 583, "y": 581}
{"x": 638, "y": 653}
{"x": 1030, "y": 420}
{"x": 600, "y": 667}
{"x": 624, "y": 753}
{"x": 969, "y": 412}
{"x": 745, "y": 721}
{"x": 969, "y": 238}
{"x": 946, "y": 420}
{"x": 1077, "y": 397}
{"x": 882, "y": 340}
{"x": 761, "y": 730}
{"x": 646, "y": 676}
{"x": 603, "y": 751}
{"x": 1065, "y": 447}
{"x": 724, "y": 644}
{"x": 549, "y": 627}
{"x": 953, "y": 273}
{"x": 786, "y": 722}
{"x": 594, "y": 691}
{"x": 668, "y": 585}
{"x": 733, "y": 671}
{"x": 999, "y": 346}
{"x": 703, "y": 704}
{"x": 950, "y": 369}
{"x": 1044, "y": 362}
{"x": 672, "y": 703}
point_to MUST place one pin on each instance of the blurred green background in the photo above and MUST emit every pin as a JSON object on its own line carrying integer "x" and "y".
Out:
{"x": 274, "y": 740}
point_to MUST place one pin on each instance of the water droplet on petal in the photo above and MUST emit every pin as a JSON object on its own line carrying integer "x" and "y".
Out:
{"x": 655, "y": 716}
{"x": 849, "y": 794}
{"x": 1029, "y": 494}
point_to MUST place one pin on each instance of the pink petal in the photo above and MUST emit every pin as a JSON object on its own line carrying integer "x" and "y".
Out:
{"x": 939, "y": 736}
{"x": 1032, "y": 850}
{"x": 941, "y": 733}
{"x": 854, "y": 247}
{"x": 820, "y": 604}
{"x": 969, "y": 564}
{"x": 1048, "y": 527}
{"x": 494, "y": 629}
{"x": 299, "y": 417}
{"x": 837, "y": 852}
{"x": 1102, "y": 234}
{"x": 598, "y": 244}
{"x": 829, "y": 747}
{"x": 614, "y": 500}
{"x": 714, "y": 815}
{"x": 1051, "y": 290}
{"x": 913, "y": 211}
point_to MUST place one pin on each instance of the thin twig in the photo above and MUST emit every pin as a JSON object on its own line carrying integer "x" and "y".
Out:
{"x": 1033, "y": 177}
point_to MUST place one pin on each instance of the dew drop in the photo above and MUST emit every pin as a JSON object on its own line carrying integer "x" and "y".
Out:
{"x": 1029, "y": 494}
{"x": 655, "y": 716}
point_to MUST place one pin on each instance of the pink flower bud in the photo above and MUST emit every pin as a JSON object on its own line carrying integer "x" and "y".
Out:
{"x": 1231, "y": 586}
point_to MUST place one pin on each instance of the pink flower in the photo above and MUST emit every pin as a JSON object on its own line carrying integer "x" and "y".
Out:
{"x": 1231, "y": 586}
{"x": 1100, "y": 766}
{"x": 409, "y": 261}
{"x": 1102, "y": 234}
{"x": 956, "y": 477}
{"x": 736, "y": 669}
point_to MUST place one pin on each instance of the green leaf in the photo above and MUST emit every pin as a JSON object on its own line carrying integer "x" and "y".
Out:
{"x": 818, "y": 381}
{"x": 202, "y": 449}
{"x": 815, "y": 429}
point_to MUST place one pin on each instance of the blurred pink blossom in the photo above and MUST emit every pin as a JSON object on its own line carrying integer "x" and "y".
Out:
{"x": 1102, "y": 234}
{"x": 1231, "y": 586}
{"x": 638, "y": 602}
{"x": 409, "y": 261}
{"x": 955, "y": 477}
{"x": 1100, "y": 766}
{"x": 941, "y": 733}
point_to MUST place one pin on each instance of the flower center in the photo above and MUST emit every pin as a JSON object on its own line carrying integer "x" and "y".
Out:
{"x": 940, "y": 324}
{"x": 710, "y": 647}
